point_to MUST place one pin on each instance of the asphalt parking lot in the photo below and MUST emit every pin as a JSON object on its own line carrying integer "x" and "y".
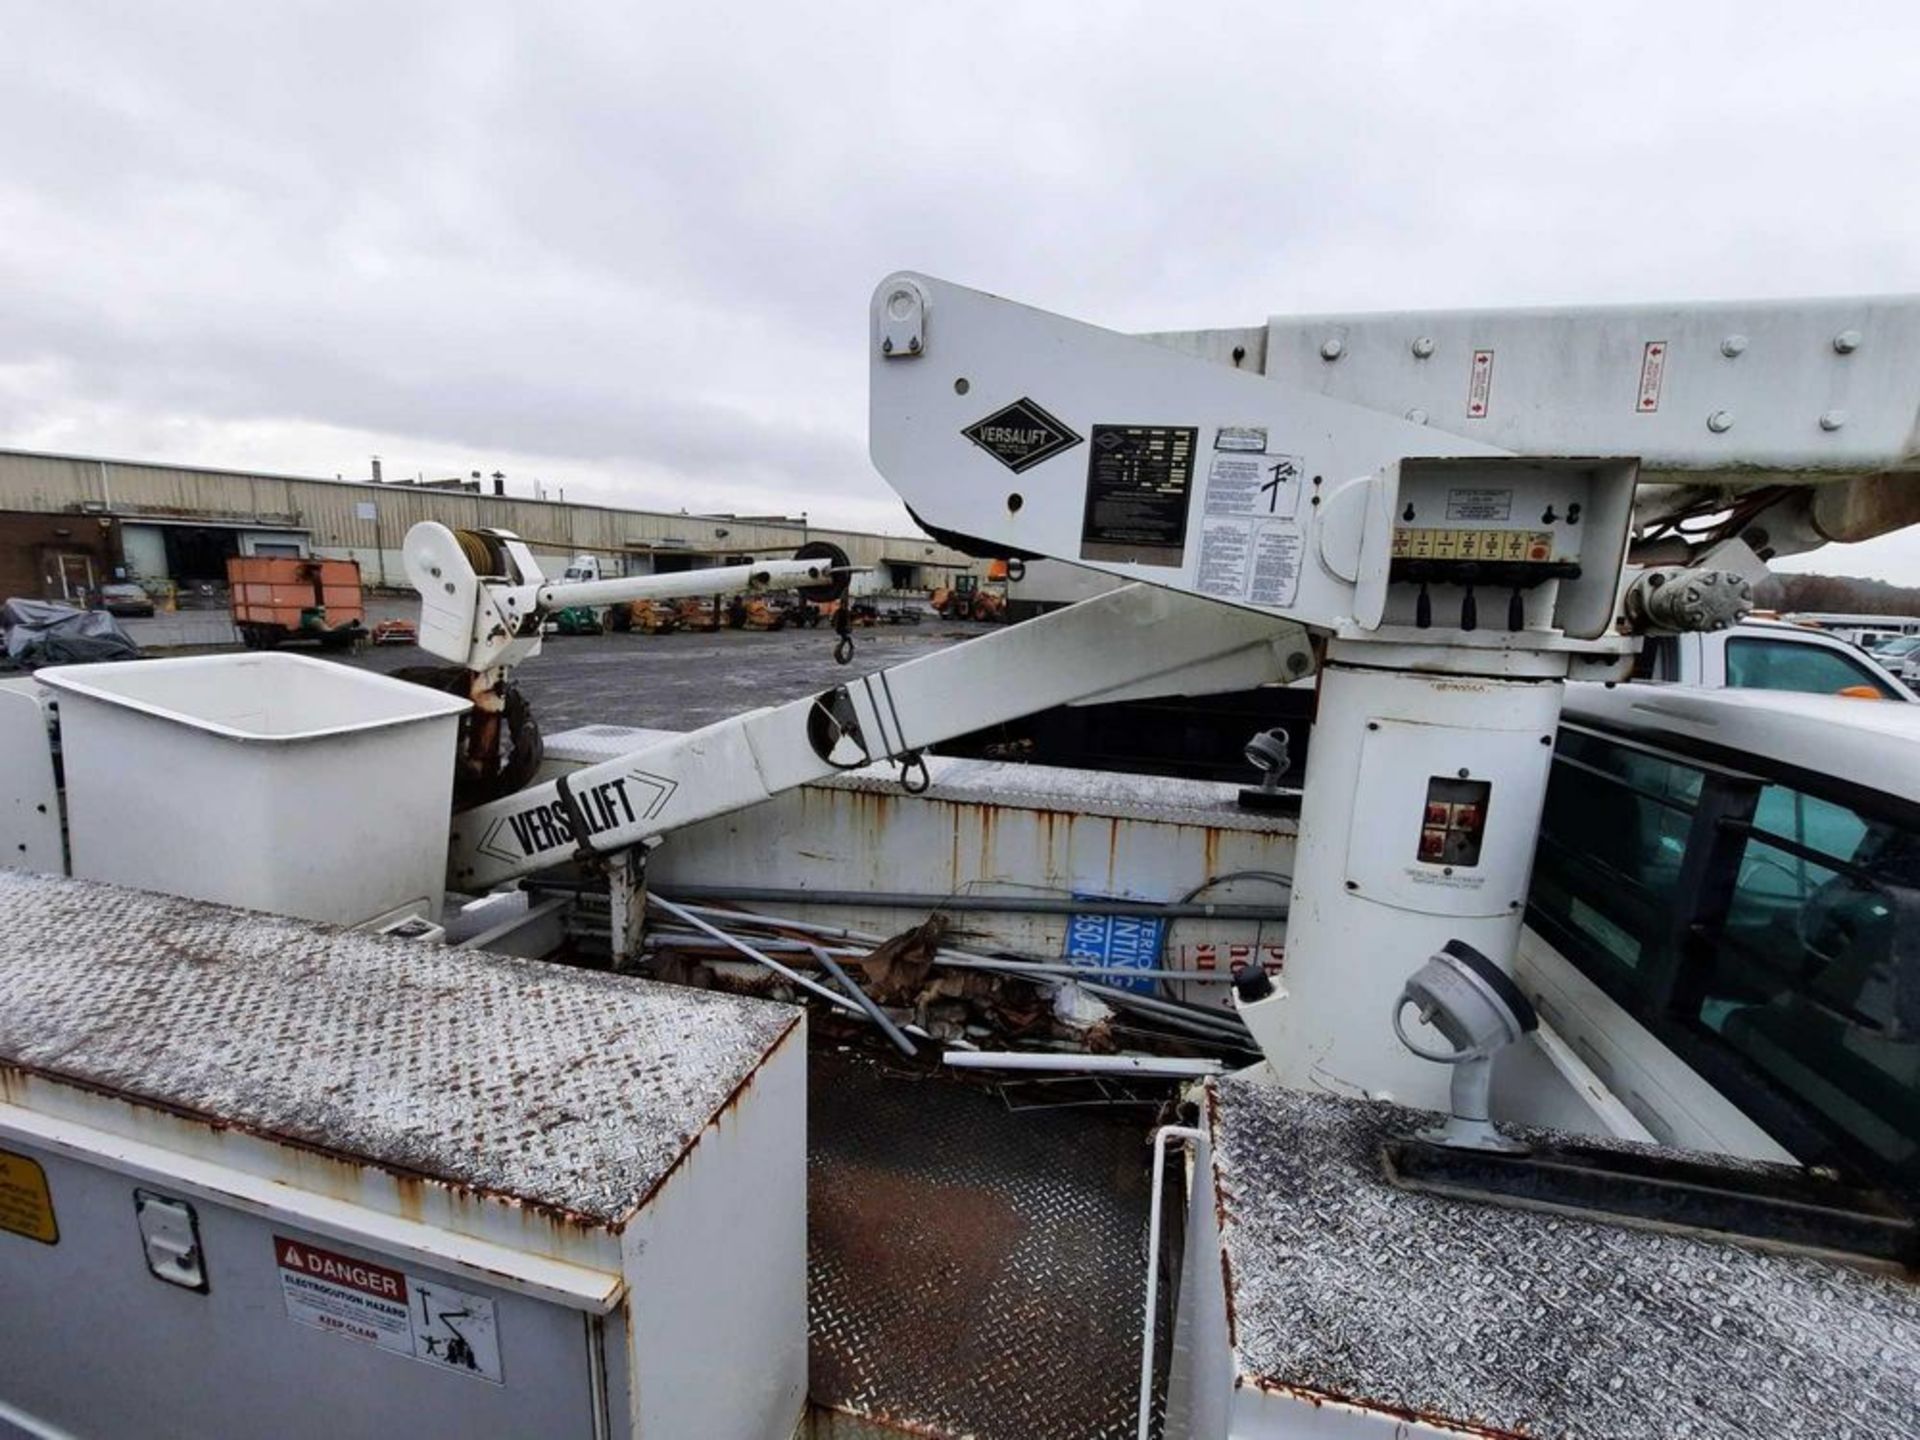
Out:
{"x": 684, "y": 680}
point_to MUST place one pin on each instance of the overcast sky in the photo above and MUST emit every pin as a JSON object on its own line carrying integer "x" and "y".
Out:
{"x": 627, "y": 248}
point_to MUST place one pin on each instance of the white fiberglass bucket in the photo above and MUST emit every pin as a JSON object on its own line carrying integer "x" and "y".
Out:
{"x": 274, "y": 782}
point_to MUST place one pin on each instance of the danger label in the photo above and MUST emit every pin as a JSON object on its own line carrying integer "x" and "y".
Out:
{"x": 1653, "y": 371}
{"x": 1480, "y": 385}
{"x": 375, "y": 1305}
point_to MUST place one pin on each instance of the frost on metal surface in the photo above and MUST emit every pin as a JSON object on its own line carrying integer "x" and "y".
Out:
{"x": 1344, "y": 1287}
{"x": 570, "y": 1090}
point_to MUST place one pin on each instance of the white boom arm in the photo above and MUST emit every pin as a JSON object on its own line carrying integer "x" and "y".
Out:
{"x": 1117, "y": 639}
{"x": 490, "y": 621}
{"x": 1458, "y": 584}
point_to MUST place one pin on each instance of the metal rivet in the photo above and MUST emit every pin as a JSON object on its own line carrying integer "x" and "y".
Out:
{"x": 1720, "y": 421}
{"x": 1417, "y": 415}
{"x": 1733, "y": 345}
{"x": 1423, "y": 347}
{"x": 960, "y": 386}
{"x": 1846, "y": 342}
{"x": 1331, "y": 349}
{"x": 913, "y": 345}
{"x": 886, "y": 346}
{"x": 1833, "y": 419}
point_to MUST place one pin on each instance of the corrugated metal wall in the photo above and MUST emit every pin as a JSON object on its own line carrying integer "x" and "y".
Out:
{"x": 334, "y": 512}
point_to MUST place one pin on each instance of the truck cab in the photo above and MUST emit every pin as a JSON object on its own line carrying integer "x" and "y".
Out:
{"x": 1768, "y": 655}
{"x": 1724, "y": 920}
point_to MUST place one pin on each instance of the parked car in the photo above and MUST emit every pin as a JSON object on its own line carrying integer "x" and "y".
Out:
{"x": 1769, "y": 655}
{"x": 1893, "y": 647}
{"x": 124, "y": 599}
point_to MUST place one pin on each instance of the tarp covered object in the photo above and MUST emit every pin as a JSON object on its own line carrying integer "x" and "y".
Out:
{"x": 45, "y": 632}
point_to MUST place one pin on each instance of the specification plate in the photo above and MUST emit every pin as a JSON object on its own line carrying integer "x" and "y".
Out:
{"x": 1139, "y": 479}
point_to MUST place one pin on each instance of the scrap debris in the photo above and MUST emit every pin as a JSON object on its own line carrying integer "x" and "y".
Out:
{"x": 923, "y": 984}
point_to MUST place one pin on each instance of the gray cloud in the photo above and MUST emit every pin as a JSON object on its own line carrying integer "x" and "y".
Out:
{"x": 632, "y": 246}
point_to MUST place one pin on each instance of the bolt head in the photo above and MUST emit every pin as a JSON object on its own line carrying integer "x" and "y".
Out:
{"x": 1846, "y": 342}
{"x": 1423, "y": 347}
{"x": 1331, "y": 348}
{"x": 1833, "y": 419}
{"x": 1733, "y": 346}
{"x": 1720, "y": 421}
{"x": 1417, "y": 415}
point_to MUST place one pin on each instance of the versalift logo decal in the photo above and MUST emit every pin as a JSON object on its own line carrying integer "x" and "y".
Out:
{"x": 1021, "y": 435}
{"x": 610, "y": 805}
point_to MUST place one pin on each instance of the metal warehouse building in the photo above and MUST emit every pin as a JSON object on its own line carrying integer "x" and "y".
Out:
{"x": 70, "y": 523}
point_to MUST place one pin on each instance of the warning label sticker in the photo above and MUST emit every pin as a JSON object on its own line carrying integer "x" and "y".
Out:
{"x": 384, "y": 1307}
{"x": 26, "y": 1205}
{"x": 1475, "y": 503}
{"x": 1480, "y": 385}
{"x": 1653, "y": 371}
{"x": 1251, "y": 439}
{"x": 1249, "y": 560}
{"x": 1276, "y": 565}
{"x": 1264, "y": 485}
{"x": 1225, "y": 546}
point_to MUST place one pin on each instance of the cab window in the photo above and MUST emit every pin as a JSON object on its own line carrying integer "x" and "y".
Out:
{"x": 1612, "y": 841}
{"x": 1768, "y": 934}
{"x": 1813, "y": 983}
{"x": 1759, "y": 664}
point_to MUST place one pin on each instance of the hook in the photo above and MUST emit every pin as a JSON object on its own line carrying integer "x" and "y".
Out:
{"x": 911, "y": 762}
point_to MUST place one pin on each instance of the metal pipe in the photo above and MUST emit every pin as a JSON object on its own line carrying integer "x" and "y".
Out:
{"x": 1066, "y": 969}
{"x": 1152, "y": 1006}
{"x": 1160, "y": 1138}
{"x": 1036, "y": 967}
{"x": 866, "y": 1002}
{"x": 965, "y": 958}
{"x": 1167, "y": 1066}
{"x": 992, "y": 904}
{"x": 831, "y": 997}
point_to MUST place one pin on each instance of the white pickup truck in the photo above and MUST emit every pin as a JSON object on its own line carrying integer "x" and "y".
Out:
{"x": 1769, "y": 655}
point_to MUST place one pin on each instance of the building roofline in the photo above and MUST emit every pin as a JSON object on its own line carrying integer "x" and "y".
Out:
{"x": 415, "y": 489}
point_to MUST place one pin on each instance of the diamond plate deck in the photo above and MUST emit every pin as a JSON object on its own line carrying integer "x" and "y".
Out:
{"x": 1513, "y": 1322}
{"x": 973, "y": 1272}
{"x": 572, "y": 1091}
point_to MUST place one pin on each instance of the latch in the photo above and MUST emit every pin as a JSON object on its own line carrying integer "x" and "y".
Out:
{"x": 170, "y": 1234}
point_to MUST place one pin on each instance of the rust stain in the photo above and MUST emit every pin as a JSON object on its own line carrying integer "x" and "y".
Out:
{"x": 417, "y": 1184}
{"x": 412, "y": 1188}
{"x": 726, "y": 1107}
